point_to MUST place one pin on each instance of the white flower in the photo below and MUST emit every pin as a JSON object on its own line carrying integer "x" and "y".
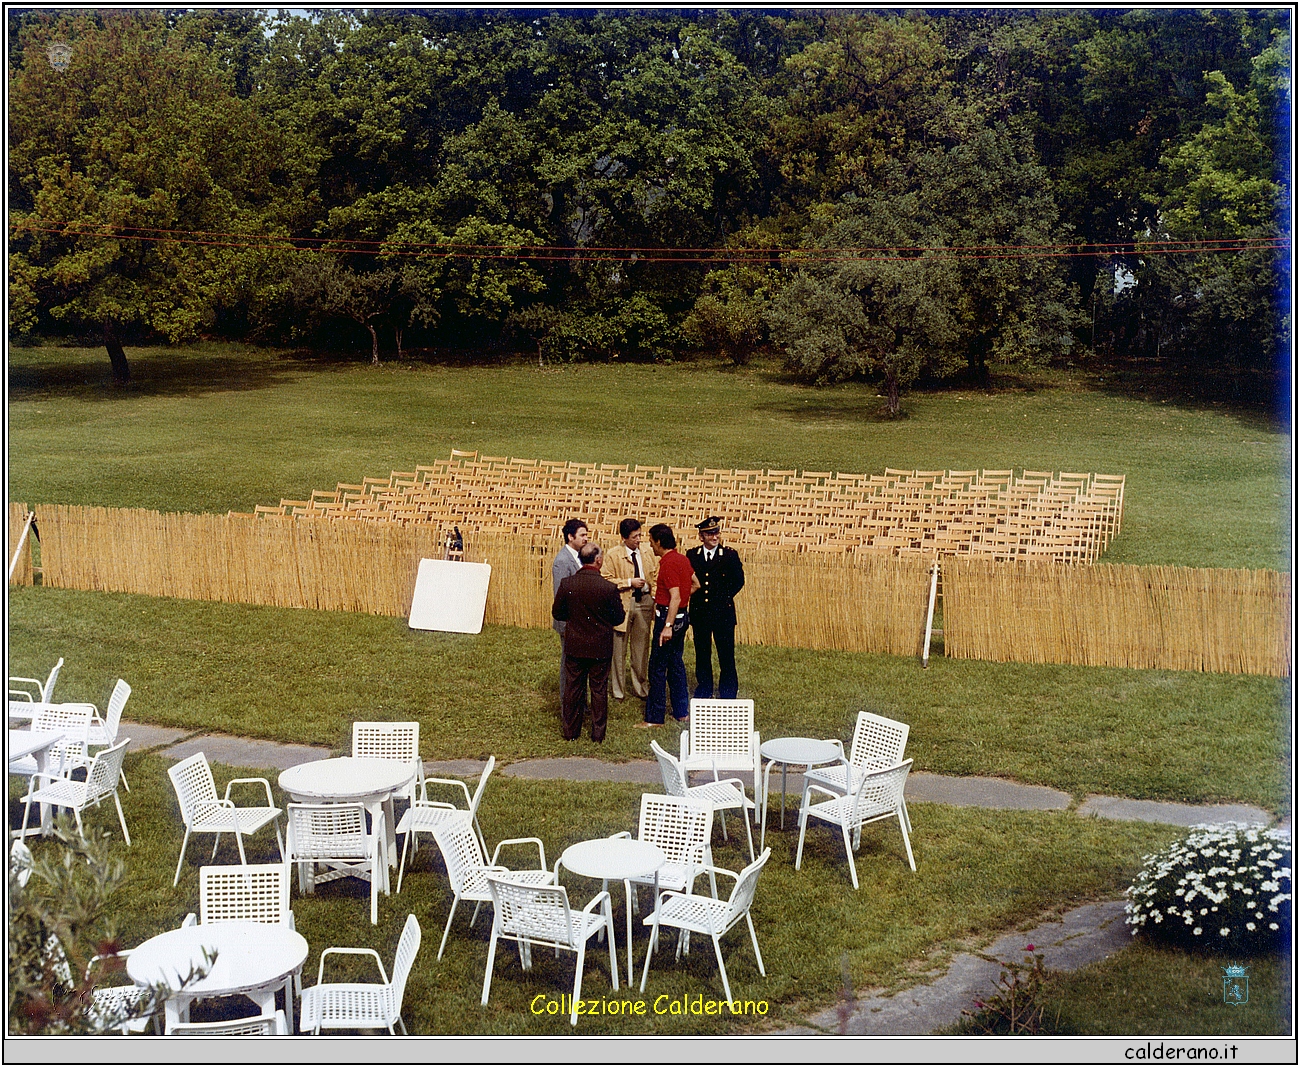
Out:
{"x": 1250, "y": 926}
{"x": 1272, "y": 926}
{"x": 1223, "y": 931}
{"x": 1197, "y": 931}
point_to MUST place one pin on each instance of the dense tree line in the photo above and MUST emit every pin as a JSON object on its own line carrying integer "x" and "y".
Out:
{"x": 874, "y": 195}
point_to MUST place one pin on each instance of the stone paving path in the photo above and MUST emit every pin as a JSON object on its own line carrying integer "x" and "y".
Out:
{"x": 1082, "y": 936}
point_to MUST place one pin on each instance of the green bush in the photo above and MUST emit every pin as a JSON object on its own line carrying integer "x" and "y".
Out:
{"x": 1224, "y": 888}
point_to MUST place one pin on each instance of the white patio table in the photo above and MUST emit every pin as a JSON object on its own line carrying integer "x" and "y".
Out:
{"x": 251, "y": 958}
{"x": 618, "y": 859}
{"x": 365, "y": 779}
{"x": 24, "y": 710}
{"x": 32, "y": 743}
{"x": 788, "y": 751}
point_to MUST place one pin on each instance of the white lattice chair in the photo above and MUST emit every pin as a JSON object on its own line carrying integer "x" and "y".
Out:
{"x": 390, "y": 740}
{"x": 721, "y": 795}
{"x": 423, "y": 816}
{"x": 708, "y": 915}
{"x": 334, "y": 836}
{"x": 540, "y": 915}
{"x": 468, "y": 869}
{"x": 877, "y": 743}
{"x": 205, "y": 813}
{"x": 70, "y": 720}
{"x": 118, "y": 1007}
{"x": 99, "y": 784}
{"x": 272, "y": 1025}
{"x": 103, "y": 729}
{"x": 254, "y": 893}
{"x": 722, "y": 738}
{"x": 361, "y": 1005}
{"x": 682, "y": 828}
{"x": 32, "y": 690}
{"x": 878, "y": 796}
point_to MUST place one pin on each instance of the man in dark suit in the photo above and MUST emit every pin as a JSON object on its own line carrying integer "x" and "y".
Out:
{"x": 713, "y": 610}
{"x": 590, "y": 607}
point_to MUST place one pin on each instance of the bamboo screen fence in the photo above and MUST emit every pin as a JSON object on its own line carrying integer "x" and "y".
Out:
{"x": 870, "y": 605}
{"x": 992, "y": 514}
{"x": 1175, "y": 618}
{"x": 1167, "y": 617}
{"x": 23, "y": 574}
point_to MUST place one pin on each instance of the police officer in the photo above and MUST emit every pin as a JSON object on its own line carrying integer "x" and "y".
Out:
{"x": 713, "y": 609}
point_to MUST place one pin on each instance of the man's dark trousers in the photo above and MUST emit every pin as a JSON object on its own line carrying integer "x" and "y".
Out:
{"x": 724, "y": 636}
{"x": 578, "y": 671}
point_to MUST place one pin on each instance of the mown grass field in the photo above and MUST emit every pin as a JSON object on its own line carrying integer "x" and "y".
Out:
{"x": 303, "y": 676}
{"x": 221, "y": 427}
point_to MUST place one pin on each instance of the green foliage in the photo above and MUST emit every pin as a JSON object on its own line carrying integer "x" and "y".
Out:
{"x": 728, "y": 313}
{"x": 139, "y": 136}
{"x": 1019, "y": 1002}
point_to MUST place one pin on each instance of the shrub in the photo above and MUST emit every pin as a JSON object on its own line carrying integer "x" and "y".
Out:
{"x": 1019, "y": 1000}
{"x": 1224, "y": 888}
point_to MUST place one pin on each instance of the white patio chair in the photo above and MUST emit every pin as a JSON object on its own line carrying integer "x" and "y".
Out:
{"x": 468, "y": 870}
{"x": 112, "y": 1007}
{"x": 877, "y": 743}
{"x": 255, "y": 893}
{"x": 334, "y": 836}
{"x": 32, "y": 690}
{"x": 362, "y": 1005}
{"x": 204, "y": 813}
{"x": 99, "y": 784}
{"x": 540, "y": 915}
{"x": 273, "y": 1025}
{"x": 425, "y": 814}
{"x": 103, "y": 729}
{"x": 390, "y": 740}
{"x": 722, "y": 737}
{"x": 707, "y": 915}
{"x": 682, "y": 827}
{"x": 71, "y": 720}
{"x": 878, "y": 796}
{"x": 21, "y": 863}
{"x": 721, "y": 795}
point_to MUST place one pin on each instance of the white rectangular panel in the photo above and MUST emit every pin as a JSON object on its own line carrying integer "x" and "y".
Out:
{"x": 450, "y": 596}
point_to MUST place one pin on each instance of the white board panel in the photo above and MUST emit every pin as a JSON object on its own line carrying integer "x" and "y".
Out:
{"x": 450, "y": 596}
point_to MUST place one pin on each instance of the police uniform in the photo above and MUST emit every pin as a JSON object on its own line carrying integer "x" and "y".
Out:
{"x": 713, "y": 614}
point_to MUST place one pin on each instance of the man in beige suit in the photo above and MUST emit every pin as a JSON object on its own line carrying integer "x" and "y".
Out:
{"x": 633, "y": 571}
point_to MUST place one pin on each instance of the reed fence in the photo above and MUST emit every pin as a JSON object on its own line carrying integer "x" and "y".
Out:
{"x": 1167, "y": 617}
{"x": 1174, "y": 618}
{"x": 23, "y": 573}
{"x": 1062, "y": 516}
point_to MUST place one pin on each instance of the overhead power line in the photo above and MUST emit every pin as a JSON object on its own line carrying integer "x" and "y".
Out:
{"x": 643, "y": 254}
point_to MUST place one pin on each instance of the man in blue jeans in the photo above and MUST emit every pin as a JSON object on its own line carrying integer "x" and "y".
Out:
{"x": 673, "y": 588}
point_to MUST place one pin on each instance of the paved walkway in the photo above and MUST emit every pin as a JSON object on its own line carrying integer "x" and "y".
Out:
{"x": 1082, "y": 936}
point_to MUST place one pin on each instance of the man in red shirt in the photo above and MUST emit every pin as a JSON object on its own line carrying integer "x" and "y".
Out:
{"x": 673, "y": 588}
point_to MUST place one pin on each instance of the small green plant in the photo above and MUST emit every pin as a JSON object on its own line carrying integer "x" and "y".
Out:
{"x": 62, "y": 943}
{"x": 1223, "y": 888}
{"x": 1019, "y": 1001}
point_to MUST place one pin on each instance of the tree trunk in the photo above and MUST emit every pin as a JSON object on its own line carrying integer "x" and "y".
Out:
{"x": 891, "y": 393}
{"x": 397, "y": 330}
{"x": 374, "y": 345}
{"x": 116, "y": 355}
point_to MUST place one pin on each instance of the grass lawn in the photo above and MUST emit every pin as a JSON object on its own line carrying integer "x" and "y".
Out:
{"x": 978, "y": 872}
{"x": 220, "y": 427}
{"x": 304, "y": 676}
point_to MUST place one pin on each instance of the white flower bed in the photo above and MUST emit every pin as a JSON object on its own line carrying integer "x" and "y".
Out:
{"x": 1223, "y": 887}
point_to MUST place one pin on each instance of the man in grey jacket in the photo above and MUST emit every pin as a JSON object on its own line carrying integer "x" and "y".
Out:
{"x": 565, "y": 564}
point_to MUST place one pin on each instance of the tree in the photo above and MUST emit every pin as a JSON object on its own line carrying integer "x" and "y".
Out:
{"x": 132, "y": 174}
{"x": 728, "y": 314}
{"x": 877, "y": 306}
{"x": 325, "y": 287}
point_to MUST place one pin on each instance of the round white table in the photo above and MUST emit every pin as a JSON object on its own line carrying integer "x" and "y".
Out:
{"x": 797, "y": 751}
{"x": 254, "y": 959}
{"x": 365, "y": 779}
{"x": 619, "y": 859}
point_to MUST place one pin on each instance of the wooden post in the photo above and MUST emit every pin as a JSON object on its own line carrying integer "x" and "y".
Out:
{"x": 27, "y": 525}
{"x": 929, "y": 616}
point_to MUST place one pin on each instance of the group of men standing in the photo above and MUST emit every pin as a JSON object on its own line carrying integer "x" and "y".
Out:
{"x": 622, "y": 618}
